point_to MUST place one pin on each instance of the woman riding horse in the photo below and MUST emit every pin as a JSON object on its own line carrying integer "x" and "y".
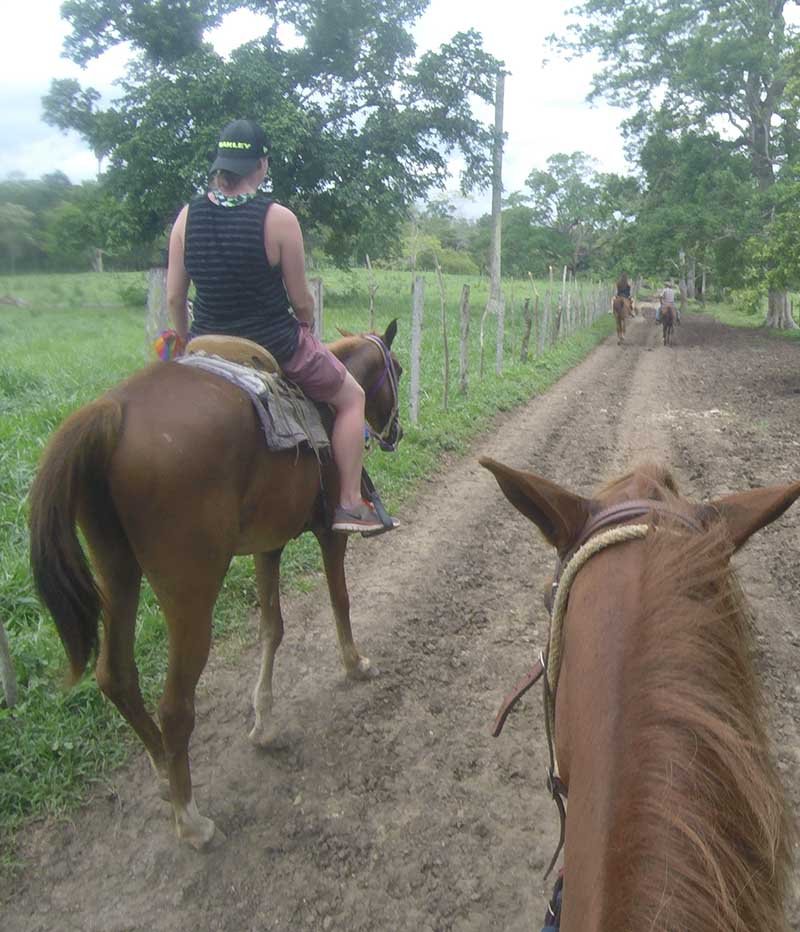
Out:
{"x": 168, "y": 476}
{"x": 244, "y": 253}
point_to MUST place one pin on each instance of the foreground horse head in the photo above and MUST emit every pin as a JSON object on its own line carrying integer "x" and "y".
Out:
{"x": 168, "y": 476}
{"x": 677, "y": 819}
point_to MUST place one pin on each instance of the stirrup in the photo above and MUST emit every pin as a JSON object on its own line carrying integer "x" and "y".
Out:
{"x": 370, "y": 493}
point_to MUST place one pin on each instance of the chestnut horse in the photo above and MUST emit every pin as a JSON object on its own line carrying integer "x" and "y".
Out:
{"x": 676, "y": 817}
{"x": 668, "y": 323}
{"x": 622, "y": 307}
{"x": 168, "y": 475}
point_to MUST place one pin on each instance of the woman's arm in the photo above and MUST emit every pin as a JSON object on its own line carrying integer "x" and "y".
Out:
{"x": 283, "y": 242}
{"x": 177, "y": 277}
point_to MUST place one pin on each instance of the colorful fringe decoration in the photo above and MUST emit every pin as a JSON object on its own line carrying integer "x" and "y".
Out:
{"x": 168, "y": 345}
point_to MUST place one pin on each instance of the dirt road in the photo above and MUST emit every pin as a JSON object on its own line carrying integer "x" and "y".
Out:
{"x": 387, "y": 806}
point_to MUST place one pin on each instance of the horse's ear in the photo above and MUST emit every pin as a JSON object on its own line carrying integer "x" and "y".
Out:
{"x": 747, "y": 512}
{"x": 391, "y": 333}
{"x": 560, "y": 515}
{"x": 345, "y": 333}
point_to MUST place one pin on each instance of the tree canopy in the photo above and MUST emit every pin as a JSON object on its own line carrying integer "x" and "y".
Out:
{"x": 690, "y": 69}
{"x": 359, "y": 125}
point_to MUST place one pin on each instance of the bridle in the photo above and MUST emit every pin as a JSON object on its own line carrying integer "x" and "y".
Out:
{"x": 604, "y": 529}
{"x": 389, "y": 436}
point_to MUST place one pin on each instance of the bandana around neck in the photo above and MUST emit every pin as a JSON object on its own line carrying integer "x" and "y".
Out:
{"x": 231, "y": 200}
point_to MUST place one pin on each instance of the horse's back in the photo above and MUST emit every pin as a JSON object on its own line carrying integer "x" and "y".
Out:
{"x": 192, "y": 450}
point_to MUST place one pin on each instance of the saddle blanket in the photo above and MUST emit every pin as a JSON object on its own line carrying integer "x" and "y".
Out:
{"x": 287, "y": 417}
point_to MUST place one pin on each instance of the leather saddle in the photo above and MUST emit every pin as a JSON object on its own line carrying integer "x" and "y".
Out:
{"x": 235, "y": 349}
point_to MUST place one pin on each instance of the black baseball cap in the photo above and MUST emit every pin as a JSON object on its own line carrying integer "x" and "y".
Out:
{"x": 241, "y": 144}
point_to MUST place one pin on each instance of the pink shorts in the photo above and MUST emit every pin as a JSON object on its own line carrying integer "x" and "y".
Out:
{"x": 314, "y": 367}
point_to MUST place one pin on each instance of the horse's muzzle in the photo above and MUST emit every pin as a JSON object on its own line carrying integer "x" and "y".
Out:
{"x": 389, "y": 443}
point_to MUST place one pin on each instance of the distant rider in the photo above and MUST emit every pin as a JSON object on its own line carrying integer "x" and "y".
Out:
{"x": 624, "y": 291}
{"x": 668, "y": 300}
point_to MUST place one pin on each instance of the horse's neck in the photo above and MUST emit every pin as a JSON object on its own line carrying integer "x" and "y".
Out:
{"x": 589, "y": 727}
{"x": 661, "y": 834}
{"x": 352, "y": 351}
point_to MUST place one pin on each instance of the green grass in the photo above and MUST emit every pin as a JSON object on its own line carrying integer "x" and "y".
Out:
{"x": 729, "y": 314}
{"x": 59, "y": 353}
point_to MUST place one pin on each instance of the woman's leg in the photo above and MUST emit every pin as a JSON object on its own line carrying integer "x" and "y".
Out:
{"x": 348, "y": 440}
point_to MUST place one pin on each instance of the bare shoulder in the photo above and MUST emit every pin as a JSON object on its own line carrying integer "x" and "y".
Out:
{"x": 281, "y": 218}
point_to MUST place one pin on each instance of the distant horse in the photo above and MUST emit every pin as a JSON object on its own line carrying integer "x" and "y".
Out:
{"x": 677, "y": 819}
{"x": 668, "y": 322}
{"x": 622, "y": 308}
{"x": 168, "y": 475}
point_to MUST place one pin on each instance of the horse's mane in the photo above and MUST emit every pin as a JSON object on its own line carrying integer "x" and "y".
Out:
{"x": 346, "y": 344}
{"x": 703, "y": 831}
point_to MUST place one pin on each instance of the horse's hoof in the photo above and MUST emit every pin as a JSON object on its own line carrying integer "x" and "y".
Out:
{"x": 197, "y": 833}
{"x": 264, "y": 736}
{"x": 363, "y": 670}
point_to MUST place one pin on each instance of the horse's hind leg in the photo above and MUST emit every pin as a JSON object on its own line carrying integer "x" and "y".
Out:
{"x": 333, "y": 549}
{"x": 189, "y": 627}
{"x": 271, "y": 631}
{"x": 117, "y": 676}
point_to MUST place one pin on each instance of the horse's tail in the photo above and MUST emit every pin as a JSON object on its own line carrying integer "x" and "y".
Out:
{"x": 73, "y": 470}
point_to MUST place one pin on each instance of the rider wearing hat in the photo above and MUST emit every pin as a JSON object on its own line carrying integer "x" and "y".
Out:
{"x": 668, "y": 300}
{"x": 244, "y": 253}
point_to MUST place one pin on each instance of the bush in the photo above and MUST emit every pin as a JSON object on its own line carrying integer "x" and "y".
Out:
{"x": 749, "y": 301}
{"x": 132, "y": 291}
{"x": 451, "y": 262}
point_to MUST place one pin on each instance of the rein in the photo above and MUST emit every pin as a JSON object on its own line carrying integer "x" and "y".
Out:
{"x": 604, "y": 529}
{"x": 387, "y": 438}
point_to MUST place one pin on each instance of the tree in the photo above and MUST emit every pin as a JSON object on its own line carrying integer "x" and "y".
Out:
{"x": 699, "y": 206}
{"x": 79, "y": 232}
{"x": 565, "y": 198}
{"x": 774, "y": 255}
{"x": 360, "y": 128}
{"x": 16, "y": 232}
{"x": 703, "y": 60}
{"x": 67, "y": 106}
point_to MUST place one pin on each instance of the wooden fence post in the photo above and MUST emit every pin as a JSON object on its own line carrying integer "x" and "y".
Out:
{"x": 526, "y": 333}
{"x": 464, "y": 356}
{"x": 512, "y": 307}
{"x": 501, "y": 335}
{"x": 319, "y": 310}
{"x": 157, "y": 313}
{"x": 416, "y": 346}
{"x": 544, "y": 324}
{"x": 373, "y": 287}
{"x": 445, "y": 346}
{"x": 481, "y": 340}
{"x": 7, "y": 676}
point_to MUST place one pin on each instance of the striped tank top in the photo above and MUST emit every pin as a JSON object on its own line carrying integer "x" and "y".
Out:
{"x": 238, "y": 293}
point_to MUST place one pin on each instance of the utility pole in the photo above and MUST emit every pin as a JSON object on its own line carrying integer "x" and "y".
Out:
{"x": 495, "y": 293}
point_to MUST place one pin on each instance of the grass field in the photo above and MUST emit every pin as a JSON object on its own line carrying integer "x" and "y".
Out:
{"x": 76, "y": 335}
{"x": 728, "y": 314}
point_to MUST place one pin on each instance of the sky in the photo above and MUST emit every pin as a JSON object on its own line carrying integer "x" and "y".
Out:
{"x": 545, "y": 96}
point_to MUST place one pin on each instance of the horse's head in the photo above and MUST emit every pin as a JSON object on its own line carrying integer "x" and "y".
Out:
{"x": 563, "y": 517}
{"x": 652, "y": 710}
{"x": 371, "y": 362}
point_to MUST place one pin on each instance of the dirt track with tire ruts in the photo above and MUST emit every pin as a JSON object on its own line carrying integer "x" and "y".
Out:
{"x": 387, "y": 806}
